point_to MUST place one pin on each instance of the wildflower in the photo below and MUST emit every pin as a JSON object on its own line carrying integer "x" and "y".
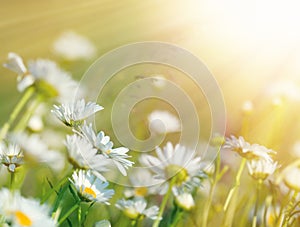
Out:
{"x": 72, "y": 46}
{"x": 184, "y": 199}
{"x": 136, "y": 208}
{"x": 82, "y": 155}
{"x": 105, "y": 147}
{"x": 20, "y": 211}
{"x": 73, "y": 113}
{"x": 260, "y": 169}
{"x": 11, "y": 156}
{"x": 103, "y": 223}
{"x": 291, "y": 178}
{"x": 163, "y": 122}
{"x": 284, "y": 89}
{"x": 247, "y": 150}
{"x": 177, "y": 163}
{"x": 91, "y": 188}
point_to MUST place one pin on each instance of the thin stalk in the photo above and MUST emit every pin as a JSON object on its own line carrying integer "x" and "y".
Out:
{"x": 164, "y": 203}
{"x": 61, "y": 182}
{"x": 79, "y": 214}
{"x": 258, "y": 186}
{"x": 25, "y": 98}
{"x": 68, "y": 213}
{"x": 178, "y": 216}
{"x": 12, "y": 179}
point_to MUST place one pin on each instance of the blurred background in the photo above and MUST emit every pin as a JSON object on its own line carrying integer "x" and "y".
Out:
{"x": 251, "y": 47}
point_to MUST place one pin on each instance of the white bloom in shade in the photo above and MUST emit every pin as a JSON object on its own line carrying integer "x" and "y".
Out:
{"x": 91, "y": 188}
{"x": 184, "y": 199}
{"x": 72, "y": 46}
{"x": 163, "y": 122}
{"x": 23, "y": 212}
{"x": 136, "y": 208}
{"x": 11, "y": 156}
{"x": 33, "y": 146}
{"x": 73, "y": 113}
{"x": 173, "y": 163}
{"x": 247, "y": 150}
{"x": 103, "y": 223}
{"x": 260, "y": 169}
{"x": 291, "y": 178}
{"x": 82, "y": 155}
{"x": 103, "y": 144}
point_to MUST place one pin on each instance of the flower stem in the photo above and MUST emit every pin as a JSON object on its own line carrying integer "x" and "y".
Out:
{"x": 258, "y": 186}
{"x": 69, "y": 213}
{"x": 12, "y": 179}
{"x": 164, "y": 203}
{"x": 27, "y": 95}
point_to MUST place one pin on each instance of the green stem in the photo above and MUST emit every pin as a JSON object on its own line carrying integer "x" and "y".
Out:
{"x": 79, "y": 214}
{"x": 12, "y": 178}
{"x": 258, "y": 186}
{"x": 164, "y": 203}
{"x": 68, "y": 213}
{"x": 27, "y": 95}
{"x": 178, "y": 216}
{"x": 61, "y": 182}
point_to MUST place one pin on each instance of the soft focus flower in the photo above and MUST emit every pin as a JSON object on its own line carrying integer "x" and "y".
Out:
{"x": 103, "y": 144}
{"x": 163, "y": 122}
{"x": 73, "y": 113}
{"x": 91, "y": 188}
{"x": 23, "y": 212}
{"x": 260, "y": 169}
{"x": 82, "y": 155}
{"x": 72, "y": 46}
{"x": 247, "y": 107}
{"x": 247, "y": 150}
{"x": 159, "y": 81}
{"x": 11, "y": 156}
{"x": 284, "y": 89}
{"x": 291, "y": 178}
{"x": 136, "y": 208}
{"x": 177, "y": 163}
{"x": 184, "y": 199}
{"x": 103, "y": 223}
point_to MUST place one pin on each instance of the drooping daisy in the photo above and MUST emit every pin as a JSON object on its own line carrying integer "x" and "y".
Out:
{"x": 178, "y": 163}
{"x": 91, "y": 188}
{"x": 104, "y": 146}
{"x": 11, "y": 156}
{"x": 183, "y": 199}
{"x": 23, "y": 212}
{"x": 163, "y": 122}
{"x": 72, "y": 46}
{"x": 74, "y": 113}
{"x": 82, "y": 155}
{"x": 247, "y": 150}
{"x": 260, "y": 169}
{"x": 136, "y": 208}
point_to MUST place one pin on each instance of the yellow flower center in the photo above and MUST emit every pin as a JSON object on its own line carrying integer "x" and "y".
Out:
{"x": 89, "y": 191}
{"x": 108, "y": 151}
{"x": 23, "y": 219}
{"x": 141, "y": 191}
{"x": 131, "y": 213}
{"x": 178, "y": 172}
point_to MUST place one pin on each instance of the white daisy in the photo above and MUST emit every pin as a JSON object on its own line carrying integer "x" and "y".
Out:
{"x": 137, "y": 208}
{"x": 177, "y": 163}
{"x": 183, "y": 199}
{"x": 247, "y": 150}
{"x": 103, "y": 144}
{"x": 163, "y": 122}
{"x": 285, "y": 89}
{"x": 90, "y": 187}
{"x": 72, "y": 46}
{"x": 82, "y": 155}
{"x": 260, "y": 169}
{"x": 102, "y": 223}
{"x": 11, "y": 156}
{"x": 291, "y": 178}
{"x": 73, "y": 113}
{"x": 23, "y": 212}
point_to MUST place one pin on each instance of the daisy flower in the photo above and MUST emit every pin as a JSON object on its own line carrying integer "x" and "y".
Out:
{"x": 91, "y": 188}
{"x": 291, "y": 178}
{"x": 23, "y": 212}
{"x": 103, "y": 144}
{"x": 136, "y": 208}
{"x": 260, "y": 169}
{"x": 173, "y": 163}
{"x": 11, "y": 156}
{"x": 163, "y": 122}
{"x": 72, "y": 46}
{"x": 82, "y": 155}
{"x": 183, "y": 199}
{"x": 73, "y": 113}
{"x": 247, "y": 150}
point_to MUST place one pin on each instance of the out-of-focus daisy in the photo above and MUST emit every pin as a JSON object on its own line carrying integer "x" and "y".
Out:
{"x": 74, "y": 113}
{"x": 184, "y": 199}
{"x": 291, "y": 178}
{"x": 173, "y": 163}
{"x": 158, "y": 81}
{"x": 104, "y": 146}
{"x": 23, "y": 212}
{"x": 296, "y": 149}
{"x": 72, "y": 46}
{"x": 91, "y": 188}
{"x": 82, "y": 155}
{"x": 136, "y": 208}
{"x": 247, "y": 107}
{"x": 260, "y": 169}
{"x": 11, "y": 156}
{"x": 247, "y": 150}
{"x": 102, "y": 223}
{"x": 34, "y": 147}
{"x": 163, "y": 122}
{"x": 284, "y": 89}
